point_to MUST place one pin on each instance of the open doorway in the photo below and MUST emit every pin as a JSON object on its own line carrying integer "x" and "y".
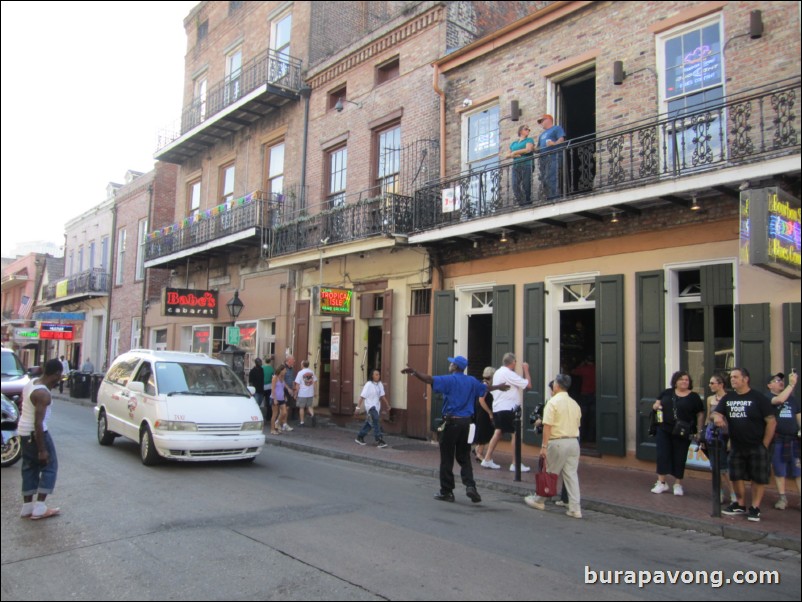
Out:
{"x": 373, "y": 361}
{"x": 577, "y": 349}
{"x": 480, "y": 344}
{"x": 576, "y": 113}
{"x": 324, "y": 376}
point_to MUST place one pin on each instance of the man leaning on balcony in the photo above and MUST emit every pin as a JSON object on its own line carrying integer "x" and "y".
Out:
{"x": 552, "y": 136}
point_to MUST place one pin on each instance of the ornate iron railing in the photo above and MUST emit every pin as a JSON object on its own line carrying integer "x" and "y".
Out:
{"x": 90, "y": 281}
{"x": 275, "y": 69}
{"x": 385, "y": 215}
{"x": 742, "y": 129}
{"x": 254, "y": 210}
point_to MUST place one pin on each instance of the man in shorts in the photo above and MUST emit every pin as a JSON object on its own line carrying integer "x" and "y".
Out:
{"x": 751, "y": 421}
{"x": 504, "y": 406}
{"x": 304, "y": 392}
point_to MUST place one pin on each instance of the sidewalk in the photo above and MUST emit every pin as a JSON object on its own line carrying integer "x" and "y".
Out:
{"x": 621, "y": 491}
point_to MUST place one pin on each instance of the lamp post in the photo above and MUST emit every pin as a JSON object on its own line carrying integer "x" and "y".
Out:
{"x": 233, "y": 355}
{"x": 235, "y": 306}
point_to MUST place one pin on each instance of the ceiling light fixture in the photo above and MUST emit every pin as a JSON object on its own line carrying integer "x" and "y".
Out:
{"x": 695, "y": 205}
{"x": 614, "y": 219}
{"x": 503, "y": 236}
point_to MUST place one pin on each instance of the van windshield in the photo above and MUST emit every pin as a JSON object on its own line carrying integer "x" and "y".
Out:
{"x": 177, "y": 378}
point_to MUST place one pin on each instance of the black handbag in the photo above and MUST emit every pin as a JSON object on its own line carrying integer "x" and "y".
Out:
{"x": 682, "y": 428}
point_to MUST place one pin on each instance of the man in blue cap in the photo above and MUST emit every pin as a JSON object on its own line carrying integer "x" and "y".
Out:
{"x": 459, "y": 394}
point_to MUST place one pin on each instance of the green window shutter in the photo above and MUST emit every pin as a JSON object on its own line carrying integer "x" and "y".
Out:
{"x": 716, "y": 284}
{"x": 650, "y": 365}
{"x": 443, "y": 344}
{"x": 753, "y": 341}
{"x": 534, "y": 354}
{"x": 610, "y": 406}
{"x": 503, "y": 322}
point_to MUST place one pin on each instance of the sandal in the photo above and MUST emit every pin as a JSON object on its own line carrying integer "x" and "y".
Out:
{"x": 47, "y": 514}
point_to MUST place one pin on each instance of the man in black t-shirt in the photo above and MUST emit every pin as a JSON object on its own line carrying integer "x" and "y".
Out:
{"x": 751, "y": 421}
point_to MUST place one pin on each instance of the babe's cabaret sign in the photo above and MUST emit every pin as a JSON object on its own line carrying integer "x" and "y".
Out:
{"x": 189, "y": 302}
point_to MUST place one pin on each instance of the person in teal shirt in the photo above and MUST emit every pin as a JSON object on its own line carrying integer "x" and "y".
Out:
{"x": 522, "y": 151}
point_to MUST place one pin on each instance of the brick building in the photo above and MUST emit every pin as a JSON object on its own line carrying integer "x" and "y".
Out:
{"x": 133, "y": 287}
{"x": 662, "y": 235}
{"x": 268, "y": 206}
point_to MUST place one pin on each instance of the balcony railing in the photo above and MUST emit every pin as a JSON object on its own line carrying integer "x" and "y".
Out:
{"x": 740, "y": 130}
{"x": 254, "y": 210}
{"x": 385, "y": 215}
{"x": 277, "y": 70}
{"x": 92, "y": 282}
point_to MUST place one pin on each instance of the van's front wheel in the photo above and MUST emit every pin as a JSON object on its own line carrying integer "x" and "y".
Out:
{"x": 147, "y": 449}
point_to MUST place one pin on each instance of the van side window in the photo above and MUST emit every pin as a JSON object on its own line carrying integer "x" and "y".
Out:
{"x": 121, "y": 371}
{"x": 145, "y": 376}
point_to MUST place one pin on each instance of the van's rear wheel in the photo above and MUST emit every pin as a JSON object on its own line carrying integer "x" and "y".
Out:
{"x": 147, "y": 449}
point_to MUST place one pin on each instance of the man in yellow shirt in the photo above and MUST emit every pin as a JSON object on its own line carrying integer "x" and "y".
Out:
{"x": 560, "y": 448}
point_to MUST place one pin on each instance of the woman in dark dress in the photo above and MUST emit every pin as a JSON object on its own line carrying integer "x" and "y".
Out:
{"x": 679, "y": 402}
{"x": 483, "y": 417}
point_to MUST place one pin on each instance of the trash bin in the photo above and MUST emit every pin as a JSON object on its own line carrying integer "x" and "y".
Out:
{"x": 97, "y": 378}
{"x": 79, "y": 388}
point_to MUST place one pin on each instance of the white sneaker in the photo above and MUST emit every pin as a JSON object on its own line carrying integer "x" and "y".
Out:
{"x": 287, "y": 428}
{"x": 524, "y": 468}
{"x": 660, "y": 487}
{"x": 533, "y": 502}
{"x": 678, "y": 489}
{"x": 490, "y": 464}
{"x": 573, "y": 513}
{"x": 27, "y": 510}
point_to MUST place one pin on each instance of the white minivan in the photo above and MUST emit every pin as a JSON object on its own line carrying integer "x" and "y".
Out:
{"x": 182, "y": 406}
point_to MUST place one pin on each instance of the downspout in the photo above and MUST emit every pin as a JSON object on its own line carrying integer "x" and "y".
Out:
{"x": 111, "y": 283}
{"x": 442, "y": 95}
{"x": 146, "y": 279}
{"x": 305, "y": 93}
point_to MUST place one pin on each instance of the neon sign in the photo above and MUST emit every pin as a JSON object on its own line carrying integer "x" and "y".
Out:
{"x": 335, "y": 301}
{"x": 771, "y": 231}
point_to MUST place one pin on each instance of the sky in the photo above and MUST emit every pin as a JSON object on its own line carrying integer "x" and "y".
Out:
{"x": 85, "y": 88}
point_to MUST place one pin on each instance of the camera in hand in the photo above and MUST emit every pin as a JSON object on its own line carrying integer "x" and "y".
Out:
{"x": 537, "y": 414}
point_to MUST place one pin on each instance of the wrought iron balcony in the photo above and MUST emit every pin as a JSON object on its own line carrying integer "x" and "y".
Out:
{"x": 232, "y": 103}
{"x": 741, "y": 130}
{"x": 244, "y": 222}
{"x": 384, "y": 215}
{"x": 91, "y": 283}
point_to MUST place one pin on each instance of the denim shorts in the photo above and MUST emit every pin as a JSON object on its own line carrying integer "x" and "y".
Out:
{"x": 38, "y": 478}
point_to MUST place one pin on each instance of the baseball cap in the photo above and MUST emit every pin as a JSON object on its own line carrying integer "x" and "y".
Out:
{"x": 771, "y": 377}
{"x": 459, "y": 361}
{"x": 544, "y": 116}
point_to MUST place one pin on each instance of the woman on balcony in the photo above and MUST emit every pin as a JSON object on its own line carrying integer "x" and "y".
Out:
{"x": 522, "y": 150}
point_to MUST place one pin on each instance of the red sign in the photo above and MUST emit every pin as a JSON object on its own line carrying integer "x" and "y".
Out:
{"x": 188, "y": 302}
{"x": 59, "y": 332}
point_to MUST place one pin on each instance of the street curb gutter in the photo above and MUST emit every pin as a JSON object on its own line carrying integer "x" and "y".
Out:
{"x": 665, "y": 520}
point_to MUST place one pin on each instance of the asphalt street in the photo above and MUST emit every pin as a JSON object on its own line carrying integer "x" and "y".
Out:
{"x": 297, "y": 526}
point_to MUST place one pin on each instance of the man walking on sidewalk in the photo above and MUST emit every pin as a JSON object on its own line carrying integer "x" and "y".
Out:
{"x": 304, "y": 392}
{"x": 459, "y": 393}
{"x": 560, "y": 448}
{"x": 751, "y": 421}
{"x": 505, "y": 405}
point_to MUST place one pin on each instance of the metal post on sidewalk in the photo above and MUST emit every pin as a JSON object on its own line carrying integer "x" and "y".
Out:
{"x": 516, "y": 457}
{"x": 714, "y": 465}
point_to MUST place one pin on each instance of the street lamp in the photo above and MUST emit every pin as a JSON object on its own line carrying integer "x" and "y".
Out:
{"x": 235, "y": 306}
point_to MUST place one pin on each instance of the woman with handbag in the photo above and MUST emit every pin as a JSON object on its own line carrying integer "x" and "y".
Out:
{"x": 682, "y": 411}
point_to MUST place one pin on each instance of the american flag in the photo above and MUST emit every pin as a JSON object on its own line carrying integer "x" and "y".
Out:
{"x": 25, "y": 306}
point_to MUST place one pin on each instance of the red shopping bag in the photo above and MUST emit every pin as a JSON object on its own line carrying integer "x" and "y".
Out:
{"x": 545, "y": 482}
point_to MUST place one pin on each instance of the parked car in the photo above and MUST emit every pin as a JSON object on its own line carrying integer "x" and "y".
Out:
{"x": 15, "y": 377}
{"x": 182, "y": 406}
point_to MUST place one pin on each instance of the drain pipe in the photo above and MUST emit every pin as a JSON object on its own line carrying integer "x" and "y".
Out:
{"x": 305, "y": 92}
{"x": 439, "y": 91}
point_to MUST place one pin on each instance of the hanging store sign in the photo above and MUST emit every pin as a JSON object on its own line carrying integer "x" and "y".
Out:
{"x": 189, "y": 302}
{"x": 26, "y": 334}
{"x": 335, "y": 301}
{"x": 56, "y": 332}
{"x": 771, "y": 231}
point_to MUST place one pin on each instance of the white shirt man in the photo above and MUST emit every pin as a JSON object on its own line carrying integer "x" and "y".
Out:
{"x": 504, "y": 405}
